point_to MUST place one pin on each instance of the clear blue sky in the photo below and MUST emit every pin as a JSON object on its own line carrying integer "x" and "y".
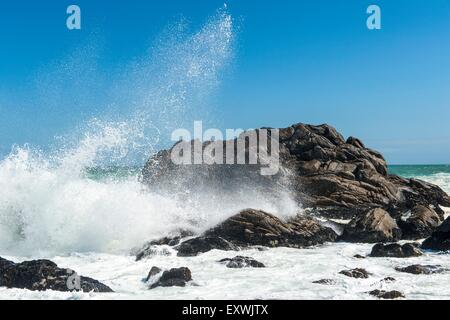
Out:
{"x": 294, "y": 61}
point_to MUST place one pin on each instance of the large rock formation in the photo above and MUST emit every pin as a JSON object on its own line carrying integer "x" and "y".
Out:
{"x": 258, "y": 228}
{"x": 39, "y": 275}
{"x": 325, "y": 172}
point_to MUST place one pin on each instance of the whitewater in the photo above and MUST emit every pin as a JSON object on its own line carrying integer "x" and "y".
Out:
{"x": 52, "y": 208}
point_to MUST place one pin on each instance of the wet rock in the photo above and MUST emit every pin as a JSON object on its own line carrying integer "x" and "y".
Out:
{"x": 374, "y": 226}
{"x": 356, "y": 273}
{"x": 242, "y": 262}
{"x": 174, "y": 277}
{"x": 387, "y": 294}
{"x": 420, "y": 223}
{"x": 358, "y": 256}
{"x": 340, "y": 178}
{"x": 421, "y": 269}
{"x": 153, "y": 272}
{"x": 193, "y": 247}
{"x": 258, "y": 228}
{"x": 328, "y": 282}
{"x": 40, "y": 275}
{"x": 440, "y": 238}
{"x": 388, "y": 279}
{"x": 152, "y": 248}
{"x": 395, "y": 250}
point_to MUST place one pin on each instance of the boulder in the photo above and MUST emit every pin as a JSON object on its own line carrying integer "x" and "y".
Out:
{"x": 374, "y": 226}
{"x": 382, "y": 294}
{"x": 439, "y": 239}
{"x": 395, "y": 250}
{"x": 420, "y": 223}
{"x": 40, "y": 275}
{"x": 174, "y": 277}
{"x": 356, "y": 273}
{"x": 421, "y": 269}
{"x": 336, "y": 177}
{"x": 258, "y": 228}
{"x": 242, "y": 262}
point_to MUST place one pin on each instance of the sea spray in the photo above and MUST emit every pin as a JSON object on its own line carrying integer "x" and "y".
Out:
{"x": 49, "y": 205}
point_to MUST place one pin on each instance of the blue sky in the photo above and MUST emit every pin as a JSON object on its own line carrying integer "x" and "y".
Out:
{"x": 308, "y": 61}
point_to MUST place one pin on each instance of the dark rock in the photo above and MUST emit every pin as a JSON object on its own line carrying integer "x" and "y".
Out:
{"x": 387, "y": 294}
{"x": 325, "y": 282}
{"x": 40, "y": 275}
{"x": 340, "y": 178}
{"x": 242, "y": 262}
{"x": 388, "y": 279}
{"x": 174, "y": 277}
{"x": 421, "y": 269}
{"x": 421, "y": 222}
{"x": 395, "y": 250}
{"x": 358, "y": 256}
{"x": 356, "y": 273}
{"x": 440, "y": 238}
{"x": 153, "y": 272}
{"x": 374, "y": 226}
{"x": 193, "y": 247}
{"x": 258, "y": 228}
{"x": 151, "y": 248}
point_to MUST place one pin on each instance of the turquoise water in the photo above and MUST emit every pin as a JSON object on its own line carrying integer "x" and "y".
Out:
{"x": 410, "y": 171}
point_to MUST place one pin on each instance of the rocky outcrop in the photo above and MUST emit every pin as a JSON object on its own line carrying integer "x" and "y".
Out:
{"x": 374, "y": 226}
{"x": 176, "y": 277}
{"x": 40, "y": 275}
{"x": 419, "y": 223}
{"x": 382, "y": 294}
{"x": 439, "y": 239}
{"x": 421, "y": 269}
{"x": 242, "y": 262}
{"x": 337, "y": 177}
{"x": 395, "y": 250}
{"x": 356, "y": 273}
{"x": 258, "y": 228}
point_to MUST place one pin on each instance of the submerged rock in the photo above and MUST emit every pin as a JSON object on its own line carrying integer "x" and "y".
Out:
{"x": 153, "y": 272}
{"x": 340, "y": 178}
{"x": 421, "y": 269}
{"x": 421, "y": 222}
{"x": 151, "y": 248}
{"x": 382, "y": 294}
{"x": 374, "y": 226}
{"x": 242, "y": 262}
{"x": 174, "y": 277}
{"x": 356, "y": 273}
{"x": 440, "y": 238}
{"x": 258, "y": 228}
{"x": 328, "y": 282}
{"x": 40, "y": 275}
{"x": 395, "y": 250}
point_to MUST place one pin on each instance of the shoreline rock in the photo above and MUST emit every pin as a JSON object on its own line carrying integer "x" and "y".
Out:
{"x": 439, "y": 239}
{"x": 395, "y": 250}
{"x": 41, "y": 275}
{"x": 175, "y": 277}
{"x": 242, "y": 262}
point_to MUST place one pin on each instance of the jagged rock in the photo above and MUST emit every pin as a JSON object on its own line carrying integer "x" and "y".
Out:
{"x": 375, "y": 226}
{"x": 395, "y": 250}
{"x": 356, "y": 273}
{"x": 258, "y": 228}
{"x": 421, "y": 269}
{"x": 153, "y": 272}
{"x": 440, "y": 238}
{"x": 382, "y": 294}
{"x": 193, "y": 247}
{"x": 242, "y": 262}
{"x": 340, "y": 178}
{"x": 325, "y": 282}
{"x": 40, "y": 275}
{"x": 421, "y": 222}
{"x": 174, "y": 277}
